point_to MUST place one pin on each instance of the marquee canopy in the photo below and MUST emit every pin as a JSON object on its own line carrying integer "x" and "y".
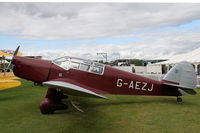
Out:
{"x": 192, "y": 57}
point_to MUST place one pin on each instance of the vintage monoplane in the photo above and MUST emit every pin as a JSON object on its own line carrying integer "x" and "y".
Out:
{"x": 73, "y": 76}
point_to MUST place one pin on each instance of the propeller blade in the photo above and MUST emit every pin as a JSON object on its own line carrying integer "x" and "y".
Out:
{"x": 15, "y": 53}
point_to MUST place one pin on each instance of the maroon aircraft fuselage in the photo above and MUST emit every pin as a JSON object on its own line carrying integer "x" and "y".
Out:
{"x": 112, "y": 81}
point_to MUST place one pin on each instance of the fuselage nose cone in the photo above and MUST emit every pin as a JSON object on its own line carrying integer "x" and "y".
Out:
{"x": 32, "y": 69}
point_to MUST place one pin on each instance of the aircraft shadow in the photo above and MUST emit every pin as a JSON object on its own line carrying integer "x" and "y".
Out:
{"x": 88, "y": 103}
{"x": 91, "y": 119}
{"x": 144, "y": 102}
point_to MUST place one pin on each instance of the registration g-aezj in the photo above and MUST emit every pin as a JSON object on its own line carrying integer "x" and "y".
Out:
{"x": 135, "y": 85}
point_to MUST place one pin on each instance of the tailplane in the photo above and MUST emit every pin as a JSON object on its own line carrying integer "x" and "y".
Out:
{"x": 182, "y": 76}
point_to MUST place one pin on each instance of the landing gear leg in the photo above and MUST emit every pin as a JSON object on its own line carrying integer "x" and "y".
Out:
{"x": 179, "y": 99}
{"x": 52, "y": 102}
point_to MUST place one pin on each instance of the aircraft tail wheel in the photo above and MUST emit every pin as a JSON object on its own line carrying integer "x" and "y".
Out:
{"x": 179, "y": 99}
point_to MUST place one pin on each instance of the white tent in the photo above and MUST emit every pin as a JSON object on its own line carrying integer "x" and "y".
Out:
{"x": 193, "y": 57}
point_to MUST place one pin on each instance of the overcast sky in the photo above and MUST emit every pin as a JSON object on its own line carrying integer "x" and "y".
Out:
{"x": 123, "y": 30}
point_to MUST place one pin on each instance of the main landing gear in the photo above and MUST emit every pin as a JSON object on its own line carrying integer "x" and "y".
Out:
{"x": 179, "y": 99}
{"x": 52, "y": 101}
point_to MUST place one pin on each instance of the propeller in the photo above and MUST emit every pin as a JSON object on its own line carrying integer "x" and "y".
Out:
{"x": 15, "y": 53}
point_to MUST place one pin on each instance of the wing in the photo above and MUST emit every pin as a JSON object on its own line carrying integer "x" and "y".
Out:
{"x": 73, "y": 89}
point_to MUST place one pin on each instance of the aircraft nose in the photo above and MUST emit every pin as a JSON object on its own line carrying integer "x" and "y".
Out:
{"x": 32, "y": 69}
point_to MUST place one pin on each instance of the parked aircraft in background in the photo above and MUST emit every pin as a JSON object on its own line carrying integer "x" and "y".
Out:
{"x": 73, "y": 76}
{"x": 6, "y": 54}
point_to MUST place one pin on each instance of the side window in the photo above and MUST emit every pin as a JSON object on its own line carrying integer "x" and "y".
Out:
{"x": 60, "y": 59}
{"x": 97, "y": 70}
{"x": 84, "y": 67}
{"x": 74, "y": 65}
{"x": 64, "y": 64}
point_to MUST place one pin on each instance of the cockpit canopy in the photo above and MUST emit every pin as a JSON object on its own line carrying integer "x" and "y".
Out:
{"x": 79, "y": 64}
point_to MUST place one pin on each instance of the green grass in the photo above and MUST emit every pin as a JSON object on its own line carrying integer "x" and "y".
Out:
{"x": 19, "y": 112}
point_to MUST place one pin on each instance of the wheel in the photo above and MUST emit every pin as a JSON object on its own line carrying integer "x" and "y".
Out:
{"x": 179, "y": 99}
{"x": 48, "y": 106}
{"x": 45, "y": 106}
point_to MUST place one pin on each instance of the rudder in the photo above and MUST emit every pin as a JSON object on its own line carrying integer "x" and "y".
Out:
{"x": 183, "y": 76}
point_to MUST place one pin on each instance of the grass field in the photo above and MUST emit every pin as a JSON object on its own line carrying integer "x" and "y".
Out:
{"x": 19, "y": 112}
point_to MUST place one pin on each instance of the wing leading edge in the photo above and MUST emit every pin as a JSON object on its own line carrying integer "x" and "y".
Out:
{"x": 73, "y": 89}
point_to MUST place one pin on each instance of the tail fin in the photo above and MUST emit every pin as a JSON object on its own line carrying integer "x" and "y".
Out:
{"x": 183, "y": 76}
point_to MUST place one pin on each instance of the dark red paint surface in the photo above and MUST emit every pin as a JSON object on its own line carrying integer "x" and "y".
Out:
{"x": 32, "y": 69}
{"x": 41, "y": 70}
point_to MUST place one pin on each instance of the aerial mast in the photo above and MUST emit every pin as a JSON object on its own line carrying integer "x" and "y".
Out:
{"x": 104, "y": 55}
